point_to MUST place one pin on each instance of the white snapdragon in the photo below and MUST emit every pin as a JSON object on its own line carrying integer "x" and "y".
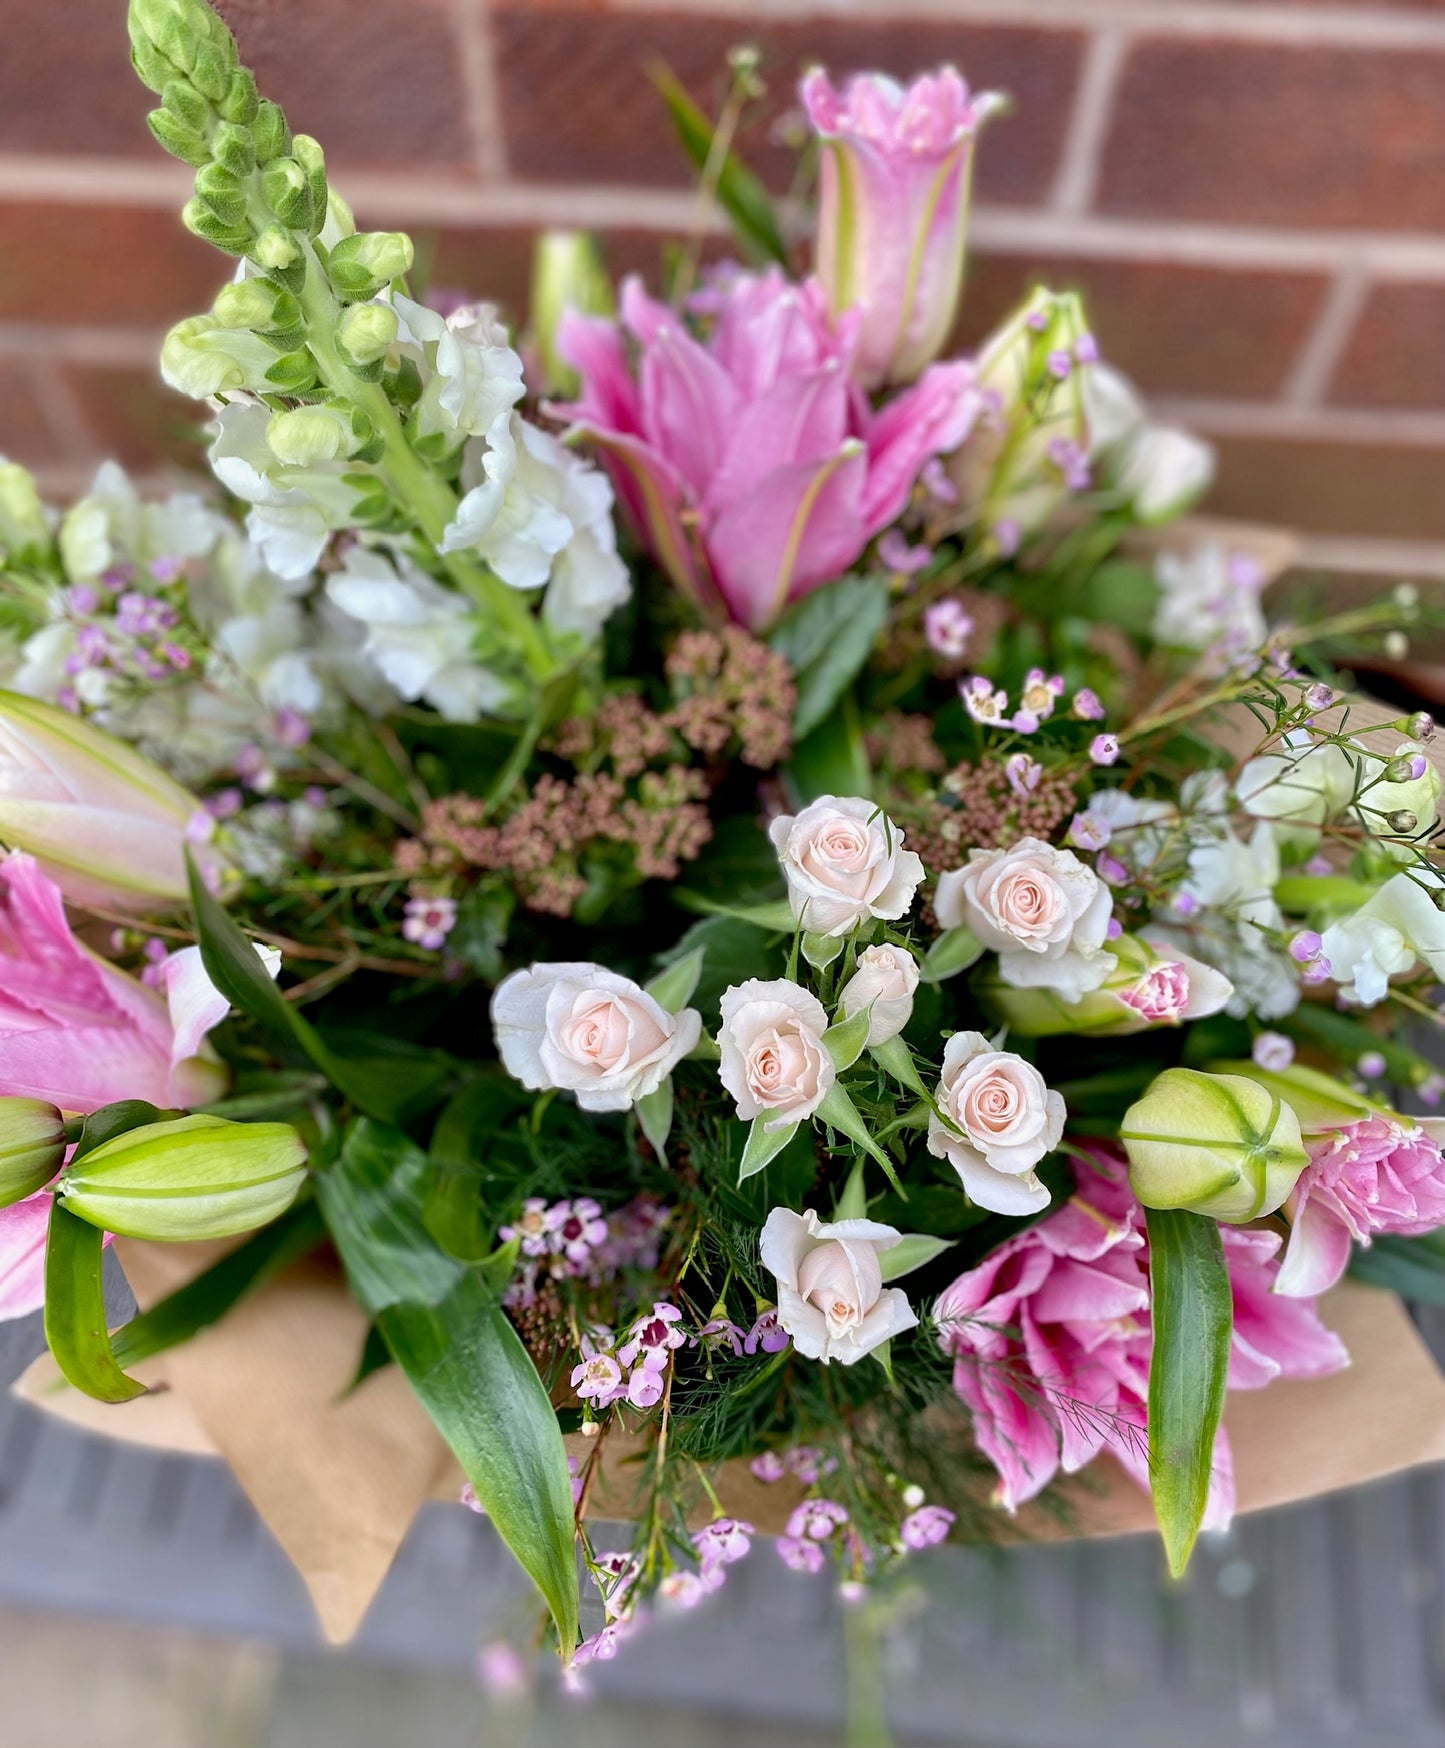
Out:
{"x": 294, "y": 509}
{"x": 471, "y": 376}
{"x": 1308, "y": 784}
{"x": 112, "y": 522}
{"x": 1209, "y": 600}
{"x": 1383, "y": 939}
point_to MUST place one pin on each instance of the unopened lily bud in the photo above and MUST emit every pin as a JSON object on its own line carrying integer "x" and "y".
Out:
{"x": 255, "y": 303}
{"x": 192, "y": 1178}
{"x": 567, "y": 274}
{"x": 32, "y": 1145}
{"x": 306, "y": 436}
{"x": 198, "y": 218}
{"x": 1217, "y": 1144}
{"x": 360, "y": 265}
{"x": 287, "y": 192}
{"x": 1150, "y": 985}
{"x": 108, "y": 826}
{"x": 179, "y": 140}
{"x": 366, "y": 331}
{"x": 276, "y": 249}
{"x": 24, "y": 532}
{"x": 201, "y": 358}
{"x": 270, "y": 132}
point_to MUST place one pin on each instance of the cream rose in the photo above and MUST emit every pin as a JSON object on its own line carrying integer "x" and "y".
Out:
{"x": 886, "y": 977}
{"x": 845, "y": 864}
{"x": 588, "y": 1031}
{"x": 831, "y": 1297}
{"x": 1043, "y": 911}
{"x": 1005, "y": 1120}
{"x": 774, "y": 1061}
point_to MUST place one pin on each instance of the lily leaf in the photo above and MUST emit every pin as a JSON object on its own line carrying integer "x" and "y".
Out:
{"x": 75, "y": 1309}
{"x": 1193, "y": 1317}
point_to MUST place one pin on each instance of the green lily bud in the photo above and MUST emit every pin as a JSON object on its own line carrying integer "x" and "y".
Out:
{"x": 223, "y": 193}
{"x": 176, "y": 138}
{"x": 287, "y": 193}
{"x": 270, "y": 132}
{"x": 24, "y": 532}
{"x": 365, "y": 333}
{"x": 1217, "y": 1144}
{"x": 32, "y": 1145}
{"x": 201, "y": 358}
{"x": 192, "y": 1178}
{"x": 1321, "y": 1102}
{"x": 197, "y": 216}
{"x": 256, "y": 304}
{"x": 276, "y": 249}
{"x": 240, "y": 102}
{"x": 567, "y": 273}
{"x": 308, "y": 435}
{"x": 233, "y": 149}
{"x": 360, "y": 265}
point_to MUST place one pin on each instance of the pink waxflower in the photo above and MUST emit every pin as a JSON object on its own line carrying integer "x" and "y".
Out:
{"x": 926, "y": 1526}
{"x": 947, "y": 628}
{"x": 893, "y": 216}
{"x": 801, "y": 1555}
{"x": 598, "y": 1378}
{"x": 816, "y": 1519}
{"x": 78, "y": 1032}
{"x": 768, "y": 1467}
{"x": 748, "y": 458}
{"x": 1052, "y": 1339}
{"x": 1382, "y": 1174}
{"x": 724, "y": 1541}
{"x": 654, "y": 1333}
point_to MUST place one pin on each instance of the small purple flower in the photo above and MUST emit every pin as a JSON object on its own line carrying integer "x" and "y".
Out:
{"x": 81, "y": 598}
{"x": 468, "y": 1497}
{"x": 502, "y": 1670}
{"x": 1104, "y": 749}
{"x": 1113, "y": 929}
{"x": 1086, "y": 705}
{"x": 648, "y": 1381}
{"x": 1023, "y": 773}
{"x": 800, "y": 1555}
{"x": 808, "y": 1464}
{"x": 574, "y": 1475}
{"x": 982, "y": 702}
{"x": 1006, "y": 536}
{"x": 1110, "y": 868}
{"x": 724, "y": 1541}
{"x": 1090, "y": 831}
{"x": 1320, "y": 696}
{"x": 816, "y": 1519}
{"x": 719, "y": 1332}
{"x": 201, "y": 827}
{"x": 1086, "y": 349}
{"x": 1072, "y": 461}
{"x": 167, "y": 570}
{"x": 897, "y": 555}
{"x": 1304, "y": 948}
{"x": 1060, "y": 363}
{"x": 927, "y": 1525}
{"x": 1273, "y": 1052}
{"x": 1318, "y": 865}
{"x": 656, "y": 1332}
{"x": 291, "y": 728}
{"x": 598, "y": 1379}
{"x": 1372, "y": 1065}
{"x": 614, "y": 1574}
{"x": 768, "y": 1467}
{"x": 684, "y": 1590}
{"x": 938, "y": 485}
{"x": 1185, "y": 904}
{"x": 1317, "y": 971}
{"x": 1432, "y": 1089}
{"x": 225, "y": 803}
{"x": 947, "y": 628}
{"x": 429, "y": 921}
{"x": 767, "y": 1335}
{"x": 576, "y": 1228}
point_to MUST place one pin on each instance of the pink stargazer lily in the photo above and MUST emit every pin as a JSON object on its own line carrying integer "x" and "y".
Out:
{"x": 897, "y": 165}
{"x": 1052, "y": 1339}
{"x": 1382, "y": 1174}
{"x": 749, "y": 459}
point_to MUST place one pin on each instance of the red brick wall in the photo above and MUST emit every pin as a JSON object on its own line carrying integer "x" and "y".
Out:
{"x": 1251, "y": 194}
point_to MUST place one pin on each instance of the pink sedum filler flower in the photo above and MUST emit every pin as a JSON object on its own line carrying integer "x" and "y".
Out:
{"x": 1052, "y": 1340}
{"x": 892, "y": 225}
{"x": 749, "y": 460}
{"x": 1382, "y": 1174}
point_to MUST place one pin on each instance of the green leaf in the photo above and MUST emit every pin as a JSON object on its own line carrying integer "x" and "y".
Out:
{"x": 117, "y": 1119}
{"x": 844, "y": 1042}
{"x": 206, "y": 1299}
{"x": 832, "y": 760}
{"x": 477, "y": 1382}
{"x": 775, "y": 915}
{"x": 741, "y": 196}
{"x": 838, "y": 1110}
{"x": 452, "y": 1211}
{"x": 763, "y": 1145}
{"x": 896, "y": 1059}
{"x": 821, "y": 950}
{"x": 1193, "y": 1316}
{"x": 673, "y": 986}
{"x": 853, "y": 1203}
{"x": 911, "y": 1252}
{"x": 75, "y": 1310}
{"x": 826, "y": 638}
{"x": 373, "y": 1198}
{"x": 733, "y": 951}
{"x": 375, "y": 1357}
{"x": 654, "y": 1116}
{"x": 1412, "y": 1267}
{"x": 954, "y": 951}
{"x": 235, "y": 968}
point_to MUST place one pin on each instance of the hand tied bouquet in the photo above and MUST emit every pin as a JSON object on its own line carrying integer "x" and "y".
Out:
{"x": 717, "y": 856}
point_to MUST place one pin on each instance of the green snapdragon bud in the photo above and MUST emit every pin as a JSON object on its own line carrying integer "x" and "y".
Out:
{"x": 365, "y": 333}
{"x": 24, "y": 531}
{"x": 187, "y": 105}
{"x": 222, "y": 192}
{"x": 240, "y": 103}
{"x": 197, "y": 217}
{"x": 32, "y": 1145}
{"x": 1217, "y": 1144}
{"x": 177, "y": 139}
{"x": 255, "y": 304}
{"x": 192, "y": 1178}
{"x": 233, "y": 148}
{"x": 276, "y": 249}
{"x": 306, "y": 436}
{"x": 362, "y": 264}
{"x": 308, "y": 154}
{"x": 270, "y": 133}
{"x": 286, "y": 191}
{"x": 183, "y": 36}
{"x": 293, "y": 373}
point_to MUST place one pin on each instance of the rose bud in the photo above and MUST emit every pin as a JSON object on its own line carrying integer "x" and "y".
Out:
{"x": 886, "y": 979}
{"x": 32, "y": 1145}
{"x": 831, "y": 1297}
{"x": 845, "y": 864}
{"x": 191, "y": 1178}
{"x": 1216, "y": 1144}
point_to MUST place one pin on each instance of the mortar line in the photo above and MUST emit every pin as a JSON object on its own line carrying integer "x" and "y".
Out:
{"x": 1083, "y": 150}
{"x": 1324, "y": 345}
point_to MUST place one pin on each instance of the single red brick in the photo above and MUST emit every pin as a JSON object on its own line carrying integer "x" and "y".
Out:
{"x": 1388, "y": 489}
{"x": 66, "y": 83}
{"x": 1277, "y": 133}
{"x": 378, "y": 83}
{"x": 111, "y": 264}
{"x": 25, "y": 433}
{"x": 1176, "y": 328}
{"x": 136, "y": 419}
{"x": 1394, "y": 357}
{"x": 578, "y": 106}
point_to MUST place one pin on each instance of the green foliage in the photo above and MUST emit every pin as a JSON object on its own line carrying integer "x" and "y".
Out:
{"x": 75, "y": 1309}
{"x": 826, "y": 637}
{"x": 1412, "y": 1267}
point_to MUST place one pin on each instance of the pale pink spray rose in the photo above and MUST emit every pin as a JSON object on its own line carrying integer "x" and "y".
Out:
{"x": 845, "y": 864}
{"x": 774, "y": 1061}
{"x": 1043, "y": 911}
{"x": 1002, "y": 1119}
{"x": 1382, "y": 1174}
{"x": 897, "y": 166}
{"x": 1052, "y": 1340}
{"x": 831, "y": 1297}
{"x": 586, "y": 1030}
{"x": 884, "y": 982}
{"x": 746, "y": 457}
